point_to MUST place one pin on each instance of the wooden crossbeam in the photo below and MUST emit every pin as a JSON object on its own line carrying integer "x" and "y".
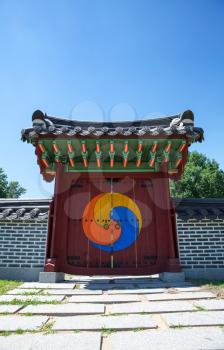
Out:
{"x": 45, "y": 162}
{"x": 126, "y": 147}
{"x": 178, "y": 161}
{"x": 44, "y": 159}
{"x": 154, "y": 147}
{"x": 152, "y": 162}
{"x": 111, "y": 154}
{"x": 41, "y": 146}
{"x": 71, "y": 154}
{"x": 168, "y": 147}
{"x": 182, "y": 147}
{"x": 140, "y": 143}
{"x": 55, "y": 147}
{"x": 84, "y": 154}
{"x": 69, "y": 146}
{"x": 166, "y": 152}
{"x": 125, "y": 154}
{"x": 153, "y": 154}
{"x": 98, "y": 154}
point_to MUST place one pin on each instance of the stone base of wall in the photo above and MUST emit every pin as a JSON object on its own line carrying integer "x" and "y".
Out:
{"x": 210, "y": 274}
{"x": 20, "y": 274}
{"x": 32, "y": 274}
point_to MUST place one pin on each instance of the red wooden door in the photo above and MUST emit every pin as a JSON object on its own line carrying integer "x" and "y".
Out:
{"x": 119, "y": 235}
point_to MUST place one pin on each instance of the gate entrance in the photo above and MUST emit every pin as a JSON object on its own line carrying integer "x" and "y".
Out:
{"x": 111, "y": 212}
{"x": 113, "y": 227}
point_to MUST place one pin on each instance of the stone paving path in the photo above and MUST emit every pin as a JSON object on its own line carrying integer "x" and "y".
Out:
{"x": 106, "y": 313}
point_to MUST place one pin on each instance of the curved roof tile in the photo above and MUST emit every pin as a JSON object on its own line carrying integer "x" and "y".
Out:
{"x": 37, "y": 209}
{"x": 178, "y": 124}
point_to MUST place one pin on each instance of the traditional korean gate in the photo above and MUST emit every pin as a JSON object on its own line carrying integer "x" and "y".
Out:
{"x": 120, "y": 236}
{"x": 111, "y": 210}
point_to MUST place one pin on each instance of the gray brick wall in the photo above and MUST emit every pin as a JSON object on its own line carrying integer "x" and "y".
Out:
{"x": 22, "y": 244}
{"x": 201, "y": 243}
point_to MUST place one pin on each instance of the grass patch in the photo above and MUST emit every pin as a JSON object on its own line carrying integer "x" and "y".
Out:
{"x": 5, "y": 333}
{"x": 219, "y": 284}
{"x": 6, "y": 285}
{"x": 28, "y": 302}
{"x": 47, "y": 328}
{"x": 139, "y": 329}
{"x": 19, "y": 331}
{"x": 199, "y": 308}
{"x": 40, "y": 292}
{"x": 113, "y": 314}
{"x": 26, "y": 314}
{"x": 30, "y": 293}
{"x": 214, "y": 286}
{"x": 107, "y": 331}
{"x": 76, "y": 331}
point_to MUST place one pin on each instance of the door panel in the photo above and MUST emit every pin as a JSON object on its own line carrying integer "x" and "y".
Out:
{"x": 111, "y": 224}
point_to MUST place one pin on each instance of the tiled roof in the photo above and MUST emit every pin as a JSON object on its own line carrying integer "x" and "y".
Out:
{"x": 37, "y": 209}
{"x": 27, "y": 209}
{"x": 173, "y": 125}
{"x": 199, "y": 208}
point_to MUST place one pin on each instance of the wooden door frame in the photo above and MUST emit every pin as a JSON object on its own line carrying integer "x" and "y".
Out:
{"x": 167, "y": 249}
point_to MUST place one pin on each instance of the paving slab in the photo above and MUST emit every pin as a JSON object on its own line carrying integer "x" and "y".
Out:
{"x": 65, "y": 341}
{"x": 100, "y": 281}
{"x": 129, "y": 280}
{"x": 152, "y": 285}
{"x": 108, "y": 286}
{"x": 38, "y": 285}
{"x": 80, "y": 280}
{"x": 23, "y": 291}
{"x": 104, "y": 322}
{"x": 214, "y": 304}
{"x": 40, "y": 298}
{"x": 11, "y": 309}
{"x": 188, "y": 289}
{"x": 180, "y": 284}
{"x": 180, "y": 296}
{"x": 128, "y": 277}
{"x": 96, "y": 277}
{"x": 105, "y": 299}
{"x": 152, "y": 307}
{"x": 136, "y": 291}
{"x": 75, "y": 291}
{"x": 186, "y": 339}
{"x": 13, "y": 323}
{"x": 189, "y": 319}
{"x": 164, "y": 284}
{"x": 20, "y": 291}
{"x": 63, "y": 309}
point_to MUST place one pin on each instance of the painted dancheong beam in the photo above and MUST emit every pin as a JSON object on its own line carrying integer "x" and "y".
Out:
{"x": 128, "y": 154}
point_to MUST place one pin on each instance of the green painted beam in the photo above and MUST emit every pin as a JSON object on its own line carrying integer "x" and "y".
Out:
{"x": 117, "y": 155}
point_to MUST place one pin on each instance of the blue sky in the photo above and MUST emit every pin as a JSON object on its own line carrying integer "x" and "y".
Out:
{"x": 104, "y": 59}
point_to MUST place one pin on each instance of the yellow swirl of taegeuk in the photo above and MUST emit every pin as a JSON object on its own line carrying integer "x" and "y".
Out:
{"x": 108, "y": 201}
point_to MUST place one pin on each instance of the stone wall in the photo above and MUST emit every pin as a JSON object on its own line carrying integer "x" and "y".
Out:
{"x": 22, "y": 248}
{"x": 201, "y": 246}
{"x": 23, "y": 230}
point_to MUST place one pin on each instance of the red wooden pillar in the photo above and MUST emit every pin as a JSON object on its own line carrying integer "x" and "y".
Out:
{"x": 166, "y": 232}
